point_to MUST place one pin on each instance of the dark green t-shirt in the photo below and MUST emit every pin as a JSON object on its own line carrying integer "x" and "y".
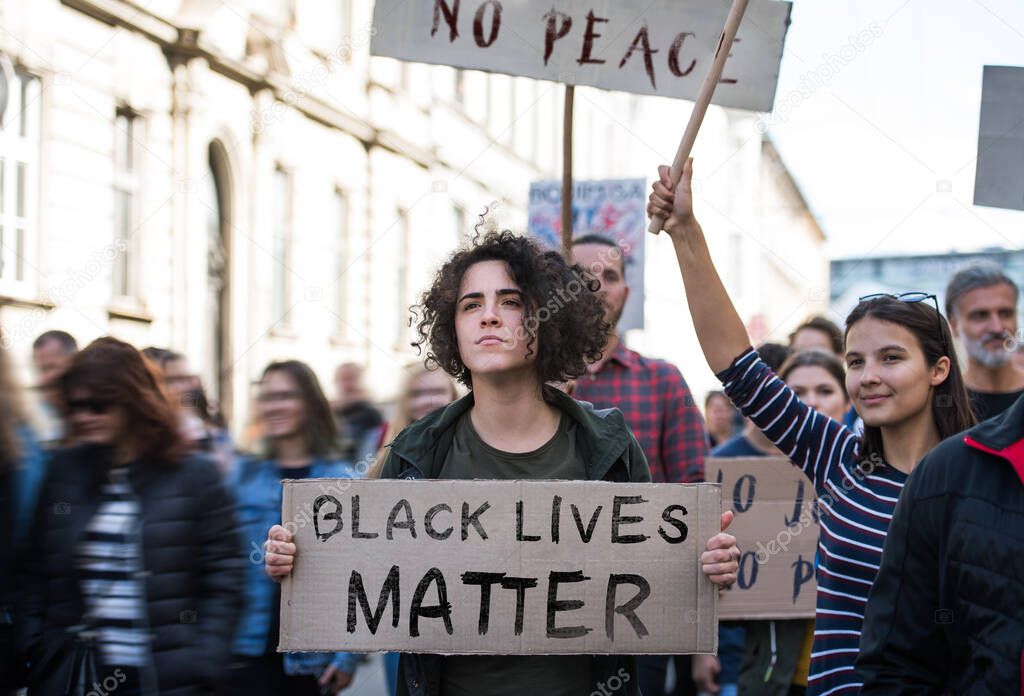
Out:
{"x": 500, "y": 675}
{"x": 472, "y": 458}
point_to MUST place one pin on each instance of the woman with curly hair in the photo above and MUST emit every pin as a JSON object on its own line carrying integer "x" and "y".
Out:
{"x": 509, "y": 320}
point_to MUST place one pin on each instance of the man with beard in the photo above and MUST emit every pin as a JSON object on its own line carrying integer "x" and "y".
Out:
{"x": 658, "y": 408}
{"x": 981, "y": 304}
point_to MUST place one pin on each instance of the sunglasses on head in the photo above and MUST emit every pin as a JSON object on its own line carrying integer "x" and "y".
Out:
{"x": 911, "y": 298}
{"x": 94, "y": 406}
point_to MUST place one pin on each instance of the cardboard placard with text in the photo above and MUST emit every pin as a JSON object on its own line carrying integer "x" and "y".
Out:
{"x": 776, "y": 527}
{"x": 658, "y": 47}
{"x": 499, "y": 567}
{"x": 613, "y": 208}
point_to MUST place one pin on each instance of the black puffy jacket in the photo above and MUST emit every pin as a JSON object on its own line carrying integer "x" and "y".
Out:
{"x": 193, "y": 566}
{"x": 946, "y": 612}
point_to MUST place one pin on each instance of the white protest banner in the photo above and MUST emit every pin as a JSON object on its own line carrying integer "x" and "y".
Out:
{"x": 613, "y": 208}
{"x": 776, "y": 526}
{"x": 999, "y": 180}
{"x": 659, "y": 47}
{"x": 499, "y": 567}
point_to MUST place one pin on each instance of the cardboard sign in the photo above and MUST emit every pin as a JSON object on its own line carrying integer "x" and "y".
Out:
{"x": 999, "y": 180}
{"x": 776, "y": 526}
{"x": 614, "y": 208}
{"x": 663, "y": 48}
{"x": 499, "y": 567}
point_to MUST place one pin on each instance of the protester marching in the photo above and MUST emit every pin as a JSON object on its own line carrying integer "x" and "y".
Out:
{"x": 297, "y": 427}
{"x": 902, "y": 375}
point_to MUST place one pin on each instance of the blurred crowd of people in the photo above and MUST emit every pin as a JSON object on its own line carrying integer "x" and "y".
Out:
{"x": 136, "y": 528}
{"x": 135, "y": 523}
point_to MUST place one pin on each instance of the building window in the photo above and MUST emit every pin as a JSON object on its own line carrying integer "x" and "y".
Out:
{"x": 127, "y": 131}
{"x": 281, "y": 244}
{"x": 339, "y": 291}
{"x": 19, "y": 177}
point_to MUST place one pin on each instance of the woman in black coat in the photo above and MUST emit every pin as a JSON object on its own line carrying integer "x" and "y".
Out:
{"x": 134, "y": 544}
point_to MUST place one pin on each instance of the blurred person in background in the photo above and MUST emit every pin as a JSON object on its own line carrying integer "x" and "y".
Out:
{"x": 51, "y": 353}
{"x": 817, "y": 333}
{"x": 22, "y": 469}
{"x": 299, "y": 442}
{"x": 135, "y": 563}
{"x": 719, "y": 416}
{"x": 359, "y": 422}
{"x": 981, "y": 304}
{"x": 201, "y": 424}
{"x": 820, "y": 333}
{"x": 424, "y": 390}
{"x": 720, "y": 674}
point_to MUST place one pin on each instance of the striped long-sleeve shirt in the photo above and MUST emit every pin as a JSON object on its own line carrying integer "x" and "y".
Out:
{"x": 110, "y": 559}
{"x": 856, "y": 502}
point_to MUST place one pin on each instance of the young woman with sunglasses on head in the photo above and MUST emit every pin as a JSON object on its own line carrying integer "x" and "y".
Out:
{"x": 135, "y": 558}
{"x": 905, "y": 382}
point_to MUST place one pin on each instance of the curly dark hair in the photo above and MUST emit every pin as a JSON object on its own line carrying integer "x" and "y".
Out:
{"x": 563, "y": 318}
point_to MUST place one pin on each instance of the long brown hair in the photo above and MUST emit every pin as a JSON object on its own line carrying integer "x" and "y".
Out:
{"x": 321, "y": 431}
{"x": 950, "y": 405}
{"x": 112, "y": 369}
{"x": 12, "y": 413}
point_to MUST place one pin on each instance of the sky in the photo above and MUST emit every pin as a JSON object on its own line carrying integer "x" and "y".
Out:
{"x": 885, "y": 149}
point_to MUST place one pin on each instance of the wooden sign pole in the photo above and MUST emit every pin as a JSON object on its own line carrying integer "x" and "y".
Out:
{"x": 567, "y": 174}
{"x": 700, "y": 106}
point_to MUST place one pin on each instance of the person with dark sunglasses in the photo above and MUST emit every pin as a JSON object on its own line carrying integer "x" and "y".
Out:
{"x": 903, "y": 377}
{"x": 134, "y": 561}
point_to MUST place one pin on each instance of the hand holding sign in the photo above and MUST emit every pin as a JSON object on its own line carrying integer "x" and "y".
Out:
{"x": 721, "y": 560}
{"x": 674, "y": 207}
{"x": 463, "y": 553}
{"x": 279, "y": 553}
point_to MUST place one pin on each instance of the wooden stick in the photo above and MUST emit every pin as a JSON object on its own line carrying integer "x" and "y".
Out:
{"x": 567, "y": 174}
{"x": 700, "y": 106}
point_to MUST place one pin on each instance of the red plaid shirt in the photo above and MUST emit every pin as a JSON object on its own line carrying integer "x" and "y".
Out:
{"x": 658, "y": 406}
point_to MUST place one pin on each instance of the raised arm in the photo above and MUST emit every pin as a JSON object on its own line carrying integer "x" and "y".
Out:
{"x": 811, "y": 440}
{"x": 719, "y": 328}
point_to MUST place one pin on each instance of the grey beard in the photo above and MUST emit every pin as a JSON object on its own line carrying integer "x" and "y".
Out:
{"x": 987, "y": 358}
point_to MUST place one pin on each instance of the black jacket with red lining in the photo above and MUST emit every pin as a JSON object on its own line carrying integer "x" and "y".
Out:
{"x": 946, "y": 612}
